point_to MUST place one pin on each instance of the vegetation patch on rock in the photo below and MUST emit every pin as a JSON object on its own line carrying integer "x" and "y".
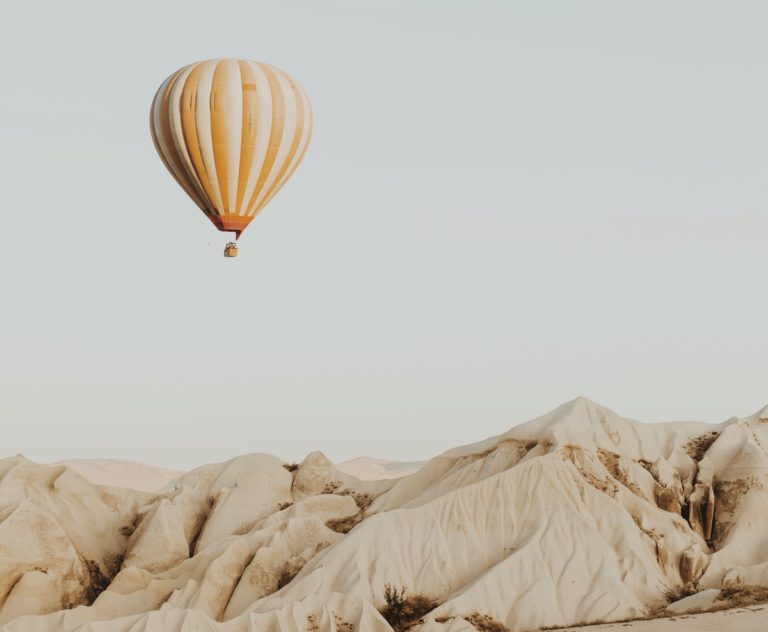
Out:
{"x": 402, "y": 610}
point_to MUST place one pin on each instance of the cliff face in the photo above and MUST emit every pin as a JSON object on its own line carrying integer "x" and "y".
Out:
{"x": 579, "y": 515}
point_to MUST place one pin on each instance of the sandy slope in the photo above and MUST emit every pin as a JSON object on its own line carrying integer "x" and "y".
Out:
{"x": 579, "y": 515}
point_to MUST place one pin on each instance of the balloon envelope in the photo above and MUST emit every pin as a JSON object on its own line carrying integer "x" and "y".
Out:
{"x": 231, "y": 132}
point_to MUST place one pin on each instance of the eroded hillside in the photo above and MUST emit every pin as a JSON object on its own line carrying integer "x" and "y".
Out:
{"x": 579, "y": 515}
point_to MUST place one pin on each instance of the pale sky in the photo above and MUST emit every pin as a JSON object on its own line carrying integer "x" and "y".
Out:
{"x": 504, "y": 205}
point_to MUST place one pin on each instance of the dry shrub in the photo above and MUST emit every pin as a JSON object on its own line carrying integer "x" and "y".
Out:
{"x": 345, "y": 525}
{"x": 735, "y": 596}
{"x": 331, "y": 487}
{"x": 697, "y": 447}
{"x": 341, "y": 625}
{"x": 681, "y": 592}
{"x": 485, "y": 623}
{"x": 740, "y": 596}
{"x": 403, "y": 611}
{"x": 98, "y": 581}
{"x": 286, "y": 577}
{"x": 363, "y": 501}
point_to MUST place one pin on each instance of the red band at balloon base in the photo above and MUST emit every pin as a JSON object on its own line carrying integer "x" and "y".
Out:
{"x": 230, "y": 222}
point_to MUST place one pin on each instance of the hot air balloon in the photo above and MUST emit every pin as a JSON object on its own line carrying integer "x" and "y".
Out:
{"x": 231, "y": 132}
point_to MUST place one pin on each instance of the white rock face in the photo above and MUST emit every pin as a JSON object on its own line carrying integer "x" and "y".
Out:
{"x": 579, "y": 515}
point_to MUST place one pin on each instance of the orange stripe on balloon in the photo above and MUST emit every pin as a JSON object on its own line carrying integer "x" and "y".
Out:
{"x": 164, "y": 139}
{"x": 275, "y": 135}
{"x": 177, "y": 134}
{"x": 248, "y": 134}
{"x": 218, "y": 106}
{"x": 297, "y": 133}
{"x": 189, "y": 125}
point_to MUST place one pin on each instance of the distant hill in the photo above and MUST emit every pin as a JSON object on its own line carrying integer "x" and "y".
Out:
{"x": 119, "y": 473}
{"x": 370, "y": 469}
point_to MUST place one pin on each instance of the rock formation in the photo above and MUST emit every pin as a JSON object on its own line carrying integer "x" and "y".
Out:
{"x": 579, "y": 515}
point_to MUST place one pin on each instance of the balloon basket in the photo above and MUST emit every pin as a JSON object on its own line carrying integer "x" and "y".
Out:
{"x": 230, "y": 250}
